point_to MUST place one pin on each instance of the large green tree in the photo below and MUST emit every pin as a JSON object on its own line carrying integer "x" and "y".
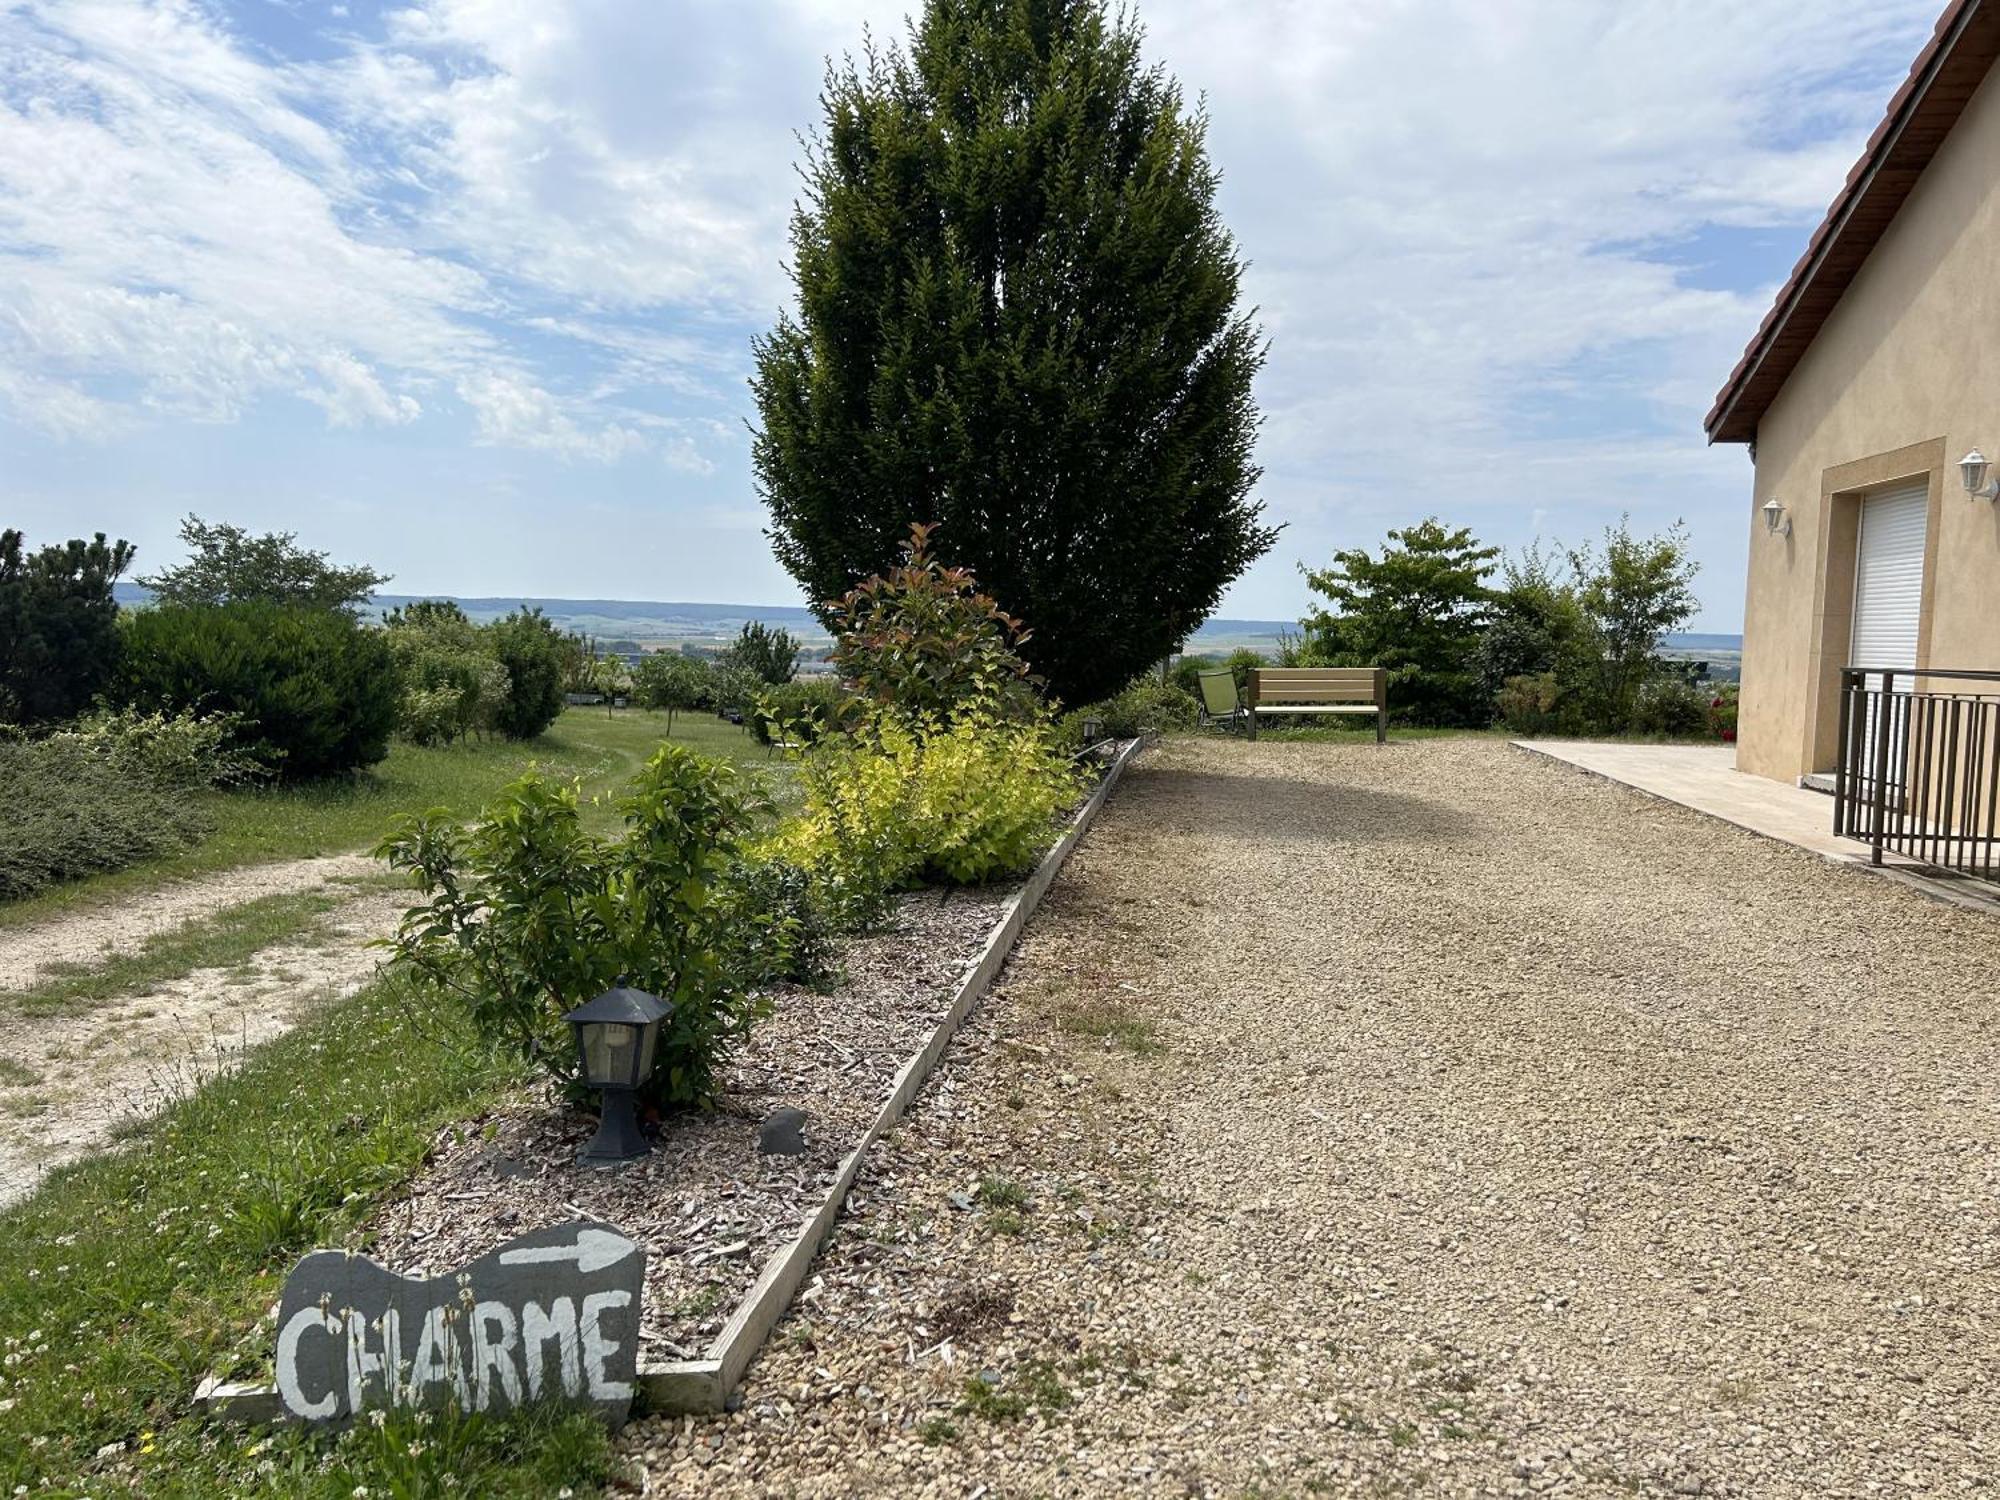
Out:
{"x": 1017, "y": 316}
{"x": 1416, "y": 610}
{"x": 226, "y": 565}
{"x": 58, "y": 625}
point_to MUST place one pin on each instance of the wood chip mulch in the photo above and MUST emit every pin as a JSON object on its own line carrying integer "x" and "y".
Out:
{"x": 707, "y": 1205}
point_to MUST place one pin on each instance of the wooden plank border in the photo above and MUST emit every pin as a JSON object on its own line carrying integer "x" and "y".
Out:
{"x": 704, "y": 1385}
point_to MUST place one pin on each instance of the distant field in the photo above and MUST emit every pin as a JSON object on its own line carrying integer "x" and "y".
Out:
{"x": 653, "y": 622}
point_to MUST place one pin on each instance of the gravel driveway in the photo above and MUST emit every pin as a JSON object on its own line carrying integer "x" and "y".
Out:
{"x": 1433, "y": 1120}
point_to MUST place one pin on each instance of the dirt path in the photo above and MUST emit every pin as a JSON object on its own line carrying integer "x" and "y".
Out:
{"x": 1427, "y": 1120}
{"x": 88, "y": 935}
{"x": 71, "y": 1079}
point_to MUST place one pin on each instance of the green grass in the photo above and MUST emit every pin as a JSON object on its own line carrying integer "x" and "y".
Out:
{"x": 996, "y": 1191}
{"x": 1036, "y": 1386}
{"x": 1113, "y": 1024}
{"x": 352, "y": 813}
{"x": 232, "y": 936}
{"x": 125, "y": 1280}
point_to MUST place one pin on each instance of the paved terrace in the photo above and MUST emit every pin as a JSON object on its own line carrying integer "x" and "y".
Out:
{"x": 1433, "y": 1120}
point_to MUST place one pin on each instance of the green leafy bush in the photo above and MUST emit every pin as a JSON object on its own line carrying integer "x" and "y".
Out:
{"x": 1418, "y": 610}
{"x": 1146, "y": 706}
{"x": 782, "y": 928}
{"x": 769, "y": 656}
{"x": 732, "y": 692}
{"x": 313, "y": 692}
{"x": 182, "y": 749}
{"x": 527, "y": 916}
{"x": 905, "y": 800}
{"x": 1670, "y": 706}
{"x": 799, "y": 713}
{"x": 1527, "y": 703}
{"x": 77, "y": 804}
{"x": 227, "y": 565}
{"x": 453, "y": 683}
{"x": 534, "y": 653}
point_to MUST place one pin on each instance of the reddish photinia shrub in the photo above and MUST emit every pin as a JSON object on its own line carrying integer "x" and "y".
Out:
{"x": 922, "y": 638}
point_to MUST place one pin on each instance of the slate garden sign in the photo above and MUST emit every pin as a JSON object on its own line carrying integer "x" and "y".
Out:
{"x": 551, "y": 1316}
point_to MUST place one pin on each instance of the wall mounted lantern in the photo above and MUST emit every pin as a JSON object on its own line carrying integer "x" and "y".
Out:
{"x": 1974, "y": 470}
{"x": 1775, "y": 520}
{"x": 616, "y": 1036}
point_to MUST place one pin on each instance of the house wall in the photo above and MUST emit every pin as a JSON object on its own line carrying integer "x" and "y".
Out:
{"x": 1903, "y": 379}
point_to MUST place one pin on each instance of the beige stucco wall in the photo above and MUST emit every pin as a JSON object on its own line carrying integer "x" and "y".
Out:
{"x": 1901, "y": 381}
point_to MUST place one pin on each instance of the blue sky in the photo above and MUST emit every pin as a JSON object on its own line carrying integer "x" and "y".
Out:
{"x": 465, "y": 288}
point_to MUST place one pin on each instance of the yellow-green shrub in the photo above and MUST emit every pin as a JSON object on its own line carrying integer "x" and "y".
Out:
{"x": 907, "y": 800}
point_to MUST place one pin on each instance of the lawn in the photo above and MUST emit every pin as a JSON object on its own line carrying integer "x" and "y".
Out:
{"x": 125, "y": 1280}
{"x": 351, "y": 813}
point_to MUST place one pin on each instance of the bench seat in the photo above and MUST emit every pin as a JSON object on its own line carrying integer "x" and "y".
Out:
{"x": 1319, "y": 690}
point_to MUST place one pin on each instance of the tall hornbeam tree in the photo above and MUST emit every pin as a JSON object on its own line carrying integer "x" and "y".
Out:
{"x": 1018, "y": 317}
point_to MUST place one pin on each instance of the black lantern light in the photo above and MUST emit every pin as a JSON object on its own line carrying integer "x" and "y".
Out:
{"x": 616, "y": 1035}
{"x": 1093, "y": 731}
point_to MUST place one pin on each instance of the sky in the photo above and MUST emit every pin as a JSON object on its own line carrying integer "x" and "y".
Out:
{"x": 465, "y": 289}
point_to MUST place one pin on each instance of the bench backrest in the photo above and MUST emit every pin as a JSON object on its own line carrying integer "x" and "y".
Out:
{"x": 1319, "y": 685}
{"x": 1218, "y": 691}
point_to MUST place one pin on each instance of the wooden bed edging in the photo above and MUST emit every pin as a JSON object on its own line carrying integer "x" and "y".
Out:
{"x": 704, "y": 1385}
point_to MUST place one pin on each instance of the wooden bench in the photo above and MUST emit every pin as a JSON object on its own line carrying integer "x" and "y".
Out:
{"x": 1320, "y": 690}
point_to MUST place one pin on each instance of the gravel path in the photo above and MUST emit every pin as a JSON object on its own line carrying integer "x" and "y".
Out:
{"x": 73, "y": 1079}
{"x": 89, "y": 935}
{"x": 1425, "y": 1120}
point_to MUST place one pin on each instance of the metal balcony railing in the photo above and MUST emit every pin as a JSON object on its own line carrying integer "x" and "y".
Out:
{"x": 1919, "y": 772}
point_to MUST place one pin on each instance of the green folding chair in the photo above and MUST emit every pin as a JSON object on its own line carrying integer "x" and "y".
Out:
{"x": 1221, "y": 704}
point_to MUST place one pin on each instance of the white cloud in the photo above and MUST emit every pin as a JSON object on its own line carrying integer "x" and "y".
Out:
{"x": 550, "y": 226}
{"x": 1456, "y": 215}
{"x": 513, "y": 411}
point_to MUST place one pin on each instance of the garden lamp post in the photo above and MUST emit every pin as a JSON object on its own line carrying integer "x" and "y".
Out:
{"x": 616, "y": 1035}
{"x": 1093, "y": 730}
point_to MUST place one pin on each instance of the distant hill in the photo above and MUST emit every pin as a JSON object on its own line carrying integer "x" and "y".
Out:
{"x": 643, "y": 620}
{"x": 630, "y": 619}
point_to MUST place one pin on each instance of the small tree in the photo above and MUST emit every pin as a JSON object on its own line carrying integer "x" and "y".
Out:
{"x": 226, "y": 564}
{"x": 923, "y": 638}
{"x": 770, "y": 656}
{"x": 670, "y": 680}
{"x": 1631, "y": 594}
{"x": 534, "y": 653}
{"x": 609, "y": 677}
{"x": 58, "y": 625}
{"x": 1534, "y": 624}
{"x": 1018, "y": 313}
{"x": 579, "y": 662}
{"x": 1418, "y": 611}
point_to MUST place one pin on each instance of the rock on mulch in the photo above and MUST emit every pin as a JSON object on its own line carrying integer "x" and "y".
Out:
{"x": 709, "y": 1207}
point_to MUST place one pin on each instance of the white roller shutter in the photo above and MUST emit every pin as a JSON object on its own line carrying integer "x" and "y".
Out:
{"x": 1888, "y": 607}
{"x": 1889, "y": 578}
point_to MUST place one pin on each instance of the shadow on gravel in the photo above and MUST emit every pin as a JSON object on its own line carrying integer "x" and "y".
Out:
{"x": 1288, "y": 810}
